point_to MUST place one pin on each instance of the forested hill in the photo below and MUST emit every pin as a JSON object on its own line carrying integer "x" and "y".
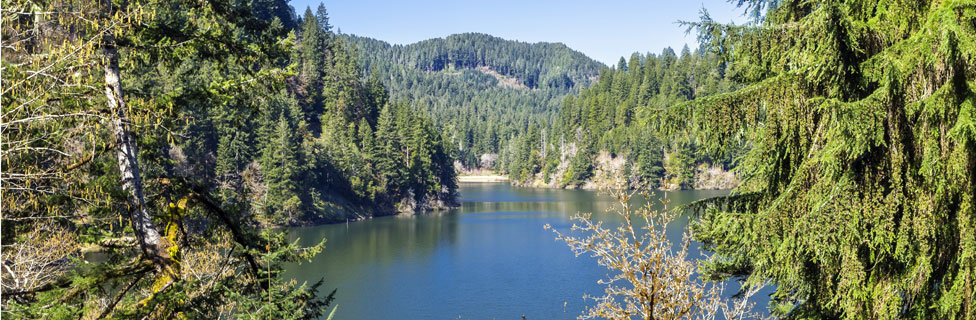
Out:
{"x": 604, "y": 136}
{"x": 330, "y": 145}
{"x": 481, "y": 89}
{"x": 533, "y": 65}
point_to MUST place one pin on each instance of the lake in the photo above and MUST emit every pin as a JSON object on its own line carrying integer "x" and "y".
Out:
{"x": 488, "y": 259}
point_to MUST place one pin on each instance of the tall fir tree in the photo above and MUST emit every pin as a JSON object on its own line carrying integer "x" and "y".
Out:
{"x": 859, "y": 202}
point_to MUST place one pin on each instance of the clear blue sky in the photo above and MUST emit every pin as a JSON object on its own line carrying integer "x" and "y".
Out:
{"x": 604, "y": 30}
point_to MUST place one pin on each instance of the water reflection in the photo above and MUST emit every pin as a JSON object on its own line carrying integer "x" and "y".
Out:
{"x": 490, "y": 258}
{"x": 382, "y": 242}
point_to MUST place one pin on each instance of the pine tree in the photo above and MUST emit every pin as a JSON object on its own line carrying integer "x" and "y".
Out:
{"x": 281, "y": 164}
{"x": 420, "y": 166}
{"x": 322, "y": 17}
{"x": 388, "y": 161}
{"x": 649, "y": 160}
{"x": 366, "y": 140}
{"x": 312, "y": 50}
{"x": 377, "y": 97}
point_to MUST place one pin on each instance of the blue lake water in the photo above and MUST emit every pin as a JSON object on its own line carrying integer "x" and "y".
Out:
{"x": 488, "y": 259}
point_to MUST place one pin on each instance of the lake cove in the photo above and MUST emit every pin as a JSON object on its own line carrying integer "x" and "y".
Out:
{"x": 490, "y": 258}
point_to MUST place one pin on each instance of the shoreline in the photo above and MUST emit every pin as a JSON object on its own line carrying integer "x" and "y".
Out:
{"x": 483, "y": 178}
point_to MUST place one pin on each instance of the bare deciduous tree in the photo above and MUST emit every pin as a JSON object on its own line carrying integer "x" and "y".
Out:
{"x": 39, "y": 259}
{"x": 652, "y": 279}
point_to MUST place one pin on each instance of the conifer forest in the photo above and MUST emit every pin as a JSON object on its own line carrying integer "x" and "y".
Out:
{"x": 247, "y": 159}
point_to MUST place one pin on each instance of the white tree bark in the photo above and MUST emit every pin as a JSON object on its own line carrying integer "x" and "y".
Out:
{"x": 146, "y": 233}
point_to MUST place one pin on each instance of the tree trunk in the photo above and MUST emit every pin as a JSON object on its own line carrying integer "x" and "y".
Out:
{"x": 149, "y": 239}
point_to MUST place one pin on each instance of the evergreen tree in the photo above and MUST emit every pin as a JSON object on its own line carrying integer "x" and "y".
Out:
{"x": 322, "y": 17}
{"x": 649, "y": 160}
{"x": 860, "y": 197}
{"x": 203, "y": 137}
{"x": 281, "y": 168}
{"x": 419, "y": 165}
{"x": 387, "y": 157}
{"x": 478, "y": 86}
{"x": 146, "y": 161}
{"x": 312, "y": 50}
{"x": 611, "y": 116}
{"x": 622, "y": 65}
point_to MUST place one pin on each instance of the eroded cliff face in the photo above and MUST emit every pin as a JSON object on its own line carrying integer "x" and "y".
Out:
{"x": 611, "y": 171}
{"x": 715, "y": 178}
{"x": 443, "y": 200}
{"x": 608, "y": 172}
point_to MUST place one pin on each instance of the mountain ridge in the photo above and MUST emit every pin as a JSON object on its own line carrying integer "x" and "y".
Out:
{"x": 481, "y": 89}
{"x": 457, "y": 38}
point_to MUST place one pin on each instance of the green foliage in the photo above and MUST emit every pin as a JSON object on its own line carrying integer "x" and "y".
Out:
{"x": 611, "y": 116}
{"x": 316, "y": 149}
{"x": 580, "y": 169}
{"x": 282, "y": 302}
{"x": 480, "y": 89}
{"x": 859, "y": 202}
{"x": 680, "y": 166}
{"x": 649, "y": 160}
{"x": 245, "y": 118}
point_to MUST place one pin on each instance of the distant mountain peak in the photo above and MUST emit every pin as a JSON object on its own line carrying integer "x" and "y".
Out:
{"x": 534, "y": 65}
